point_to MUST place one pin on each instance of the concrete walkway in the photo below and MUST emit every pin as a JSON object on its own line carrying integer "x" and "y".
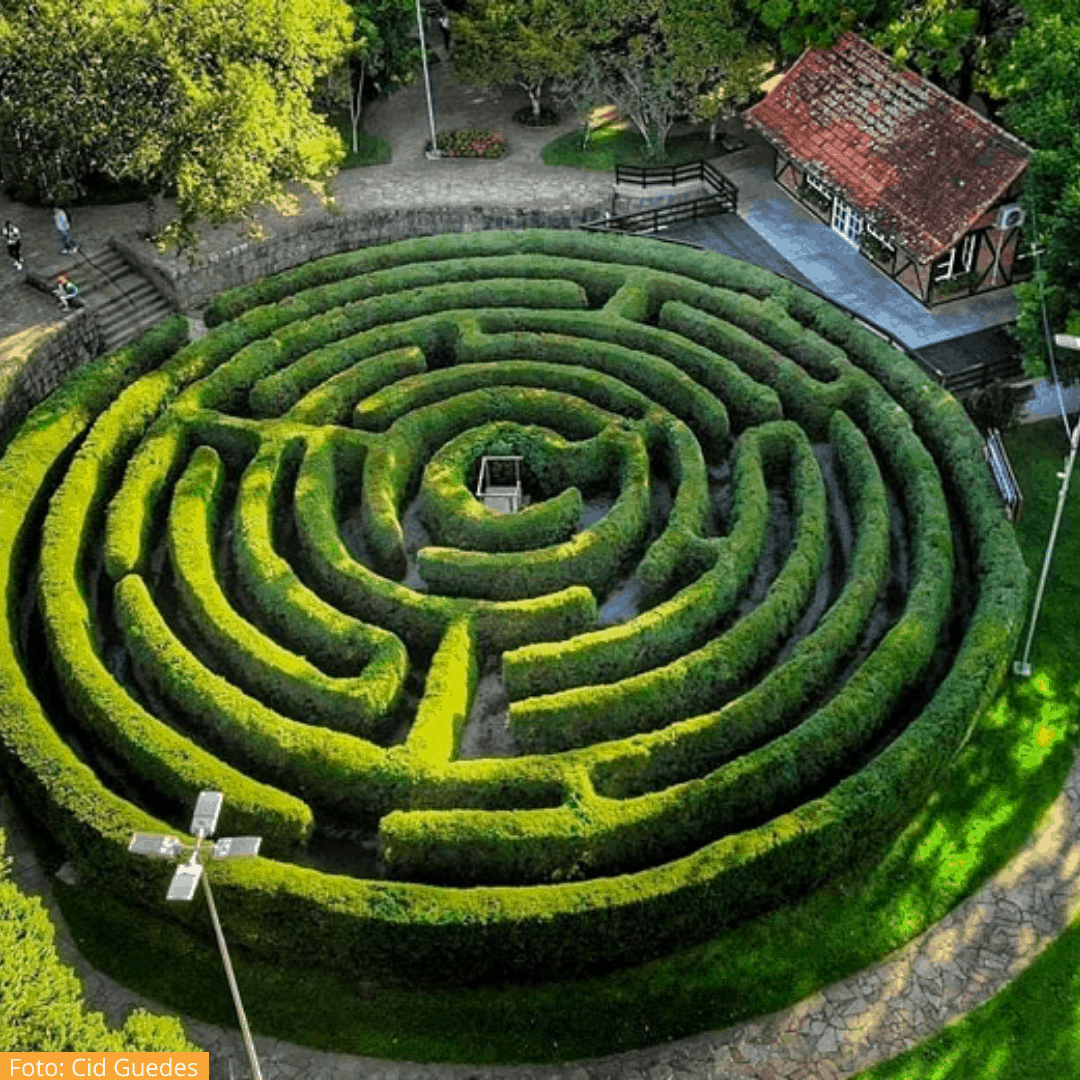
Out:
{"x": 870, "y": 1017}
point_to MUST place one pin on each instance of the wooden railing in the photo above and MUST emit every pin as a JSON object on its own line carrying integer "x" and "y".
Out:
{"x": 661, "y": 217}
{"x": 723, "y": 198}
{"x": 673, "y": 175}
{"x": 1006, "y": 369}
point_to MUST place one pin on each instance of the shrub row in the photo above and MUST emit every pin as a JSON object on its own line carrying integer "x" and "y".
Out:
{"x": 805, "y": 399}
{"x": 694, "y": 747}
{"x": 136, "y": 511}
{"x": 385, "y": 407}
{"x": 319, "y": 286}
{"x": 696, "y": 680}
{"x": 746, "y": 402}
{"x": 295, "y": 615}
{"x": 395, "y": 463}
{"x": 333, "y": 401}
{"x": 596, "y": 557}
{"x": 334, "y": 771}
{"x": 612, "y": 836}
{"x": 278, "y": 393}
{"x": 420, "y": 620}
{"x": 474, "y": 934}
{"x": 454, "y": 516}
{"x": 359, "y": 704}
{"x": 661, "y": 382}
{"x": 154, "y": 754}
{"x": 607, "y": 258}
{"x": 670, "y": 630}
{"x": 229, "y": 386}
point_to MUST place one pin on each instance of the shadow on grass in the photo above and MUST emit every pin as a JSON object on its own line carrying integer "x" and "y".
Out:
{"x": 1001, "y": 784}
{"x": 1030, "y": 1030}
{"x": 613, "y": 144}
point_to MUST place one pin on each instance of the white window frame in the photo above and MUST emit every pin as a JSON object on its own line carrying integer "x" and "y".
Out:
{"x": 879, "y": 236}
{"x": 847, "y": 221}
{"x": 813, "y": 182}
{"x": 947, "y": 268}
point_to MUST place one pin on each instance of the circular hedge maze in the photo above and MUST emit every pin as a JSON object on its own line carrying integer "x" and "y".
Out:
{"x": 760, "y": 591}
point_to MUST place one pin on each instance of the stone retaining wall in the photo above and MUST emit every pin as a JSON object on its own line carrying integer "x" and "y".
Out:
{"x": 77, "y": 341}
{"x": 187, "y": 286}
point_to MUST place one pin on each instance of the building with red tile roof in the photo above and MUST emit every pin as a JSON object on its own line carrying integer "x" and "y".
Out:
{"x": 926, "y": 187}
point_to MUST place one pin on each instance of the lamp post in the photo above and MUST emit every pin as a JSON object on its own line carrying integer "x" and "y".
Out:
{"x": 185, "y": 881}
{"x": 434, "y": 152}
{"x": 1023, "y": 667}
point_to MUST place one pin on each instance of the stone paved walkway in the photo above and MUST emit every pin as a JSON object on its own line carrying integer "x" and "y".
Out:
{"x": 904, "y": 999}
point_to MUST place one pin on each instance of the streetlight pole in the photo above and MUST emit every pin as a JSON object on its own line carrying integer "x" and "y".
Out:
{"x": 434, "y": 152}
{"x": 1023, "y": 667}
{"x": 185, "y": 882}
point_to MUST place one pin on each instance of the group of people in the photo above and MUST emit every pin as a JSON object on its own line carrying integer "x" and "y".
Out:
{"x": 64, "y": 239}
{"x": 65, "y": 290}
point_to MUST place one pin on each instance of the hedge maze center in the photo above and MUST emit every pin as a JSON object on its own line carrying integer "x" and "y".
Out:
{"x": 758, "y": 593}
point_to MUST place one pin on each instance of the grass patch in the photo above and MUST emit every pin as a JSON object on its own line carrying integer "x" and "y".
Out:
{"x": 370, "y": 149}
{"x": 1031, "y": 1029}
{"x": 1004, "y": 779}
{"x": 615, "y": 142}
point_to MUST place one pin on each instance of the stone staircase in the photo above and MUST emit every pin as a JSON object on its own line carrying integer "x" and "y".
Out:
{"x": 123, "y": 301}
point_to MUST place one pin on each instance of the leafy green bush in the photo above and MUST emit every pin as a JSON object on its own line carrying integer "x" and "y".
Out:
{"x": 42, "y": 1008}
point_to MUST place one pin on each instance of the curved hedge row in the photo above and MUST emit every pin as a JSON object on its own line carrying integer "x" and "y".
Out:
{"x": 236, "y": 592}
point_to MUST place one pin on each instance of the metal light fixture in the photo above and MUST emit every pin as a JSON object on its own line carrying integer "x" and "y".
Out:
{"x": 185, "y": 881}
{"x": 434, "y": 152}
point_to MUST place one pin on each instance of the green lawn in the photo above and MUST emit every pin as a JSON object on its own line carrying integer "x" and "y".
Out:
{"x": 616, "y": 143}
{"x": 1031, "y": 1029}
{"x": 1010, "y": 771}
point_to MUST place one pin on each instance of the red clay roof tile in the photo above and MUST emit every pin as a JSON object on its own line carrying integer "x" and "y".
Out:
{"x": 891, "y": 142}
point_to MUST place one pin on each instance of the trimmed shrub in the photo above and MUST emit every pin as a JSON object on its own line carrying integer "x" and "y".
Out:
{"x": 740, "y": 737}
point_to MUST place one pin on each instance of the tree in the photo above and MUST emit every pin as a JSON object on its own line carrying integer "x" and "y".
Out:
{"x": 526, "y": 43}
{"x": 382, "y": 55}
{"x": 662, "y": 59}
{"x": 789, "y": 26}
{"x": 212, "y": 101}
{"x": 1039, "y": 79}
{"x": 957, "y": 44}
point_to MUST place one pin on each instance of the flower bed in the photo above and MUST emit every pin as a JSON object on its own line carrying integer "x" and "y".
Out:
{"x": 472, "y": 142}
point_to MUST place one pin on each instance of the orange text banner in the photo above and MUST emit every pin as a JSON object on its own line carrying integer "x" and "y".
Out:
{"x": 111, "y": 1065}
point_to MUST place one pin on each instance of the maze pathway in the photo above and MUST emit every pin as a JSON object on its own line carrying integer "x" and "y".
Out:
{"x": 259, "y": 567}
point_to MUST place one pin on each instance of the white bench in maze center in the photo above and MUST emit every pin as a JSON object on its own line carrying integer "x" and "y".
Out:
{"x": 503, "y": 497}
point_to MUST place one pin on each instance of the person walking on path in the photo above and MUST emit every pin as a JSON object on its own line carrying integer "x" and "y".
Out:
{"x": 14, "y": 244}
{"x": 444, "y": 26}
{"x": 64, "y": 239}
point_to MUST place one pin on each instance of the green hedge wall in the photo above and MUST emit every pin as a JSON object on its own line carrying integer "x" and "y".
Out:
{"x": 688, "y": 783}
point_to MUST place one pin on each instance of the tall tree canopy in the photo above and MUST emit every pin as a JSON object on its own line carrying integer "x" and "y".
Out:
{"x": 658, "y": 60}
{"x": 1039, "y": 80}
{"x": 525, "y": 43}
{"x": 211, "y": 98}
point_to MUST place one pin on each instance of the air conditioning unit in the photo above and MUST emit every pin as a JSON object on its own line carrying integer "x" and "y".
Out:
{"x": 1009, "y": 217}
